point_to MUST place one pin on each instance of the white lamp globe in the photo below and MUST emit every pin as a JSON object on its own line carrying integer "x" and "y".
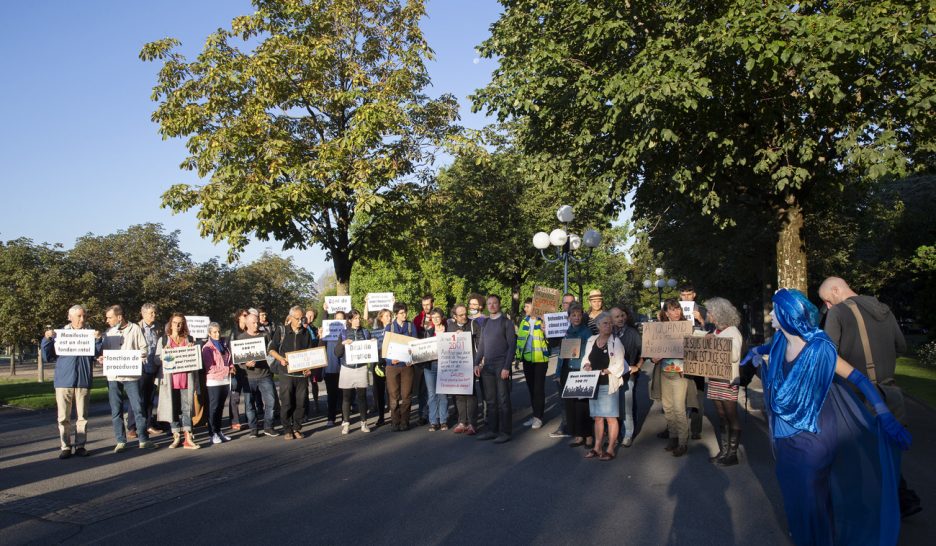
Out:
{"x": 659, "y": 272}
{"x": 592, "y": 238}
{"x": 671, "y": 283}
{"x": 648, "y": 283}
{"x": 574, "y": 241}
{"x": 558, "y": 237}
{"x": 541, "y": 240}
{"x": 660, "y": 283}
{"x": 565, "y": 214}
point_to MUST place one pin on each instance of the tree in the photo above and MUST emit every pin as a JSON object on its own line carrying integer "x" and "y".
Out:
{"x": 312, "y": 131}
{"x": 273, "y": 281}
{"x": 756, "y": 104}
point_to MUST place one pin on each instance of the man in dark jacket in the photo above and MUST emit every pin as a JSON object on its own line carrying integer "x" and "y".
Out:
{"x": 495, "y": 354}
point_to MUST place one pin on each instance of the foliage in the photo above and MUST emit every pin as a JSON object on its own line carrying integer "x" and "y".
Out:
{"x": 916, "y": 379}
{"x": 926, "y": 354}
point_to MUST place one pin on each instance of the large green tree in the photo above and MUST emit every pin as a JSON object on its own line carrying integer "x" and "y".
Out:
{"x": 738, "y": 104}
{"x": 308, "y": 118}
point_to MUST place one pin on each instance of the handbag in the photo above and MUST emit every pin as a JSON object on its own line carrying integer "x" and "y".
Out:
{"x": 888, "y": 388}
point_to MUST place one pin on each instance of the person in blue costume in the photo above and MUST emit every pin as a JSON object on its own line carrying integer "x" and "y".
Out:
{"x": 838, "y": 466}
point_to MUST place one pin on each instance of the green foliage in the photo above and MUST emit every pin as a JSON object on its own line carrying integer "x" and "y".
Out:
{"x": 315, "y": 126}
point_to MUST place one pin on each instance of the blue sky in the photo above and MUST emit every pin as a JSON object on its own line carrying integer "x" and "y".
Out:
{"x": 78, "y": 152}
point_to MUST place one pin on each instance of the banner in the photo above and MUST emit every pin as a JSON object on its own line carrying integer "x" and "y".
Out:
{"x": 70, "y": 342}
{"x": 581, "y": 385}
{"x": 249, "y": 350}
{"x": 331, "y": 329}
{"x": 306, "y": 359}
{"x": 545, "y": 300}
{"x": 182, "y": 359}
{"x": 570, "y": 348}
{"x": 361, "y": 352}
{"x": 688, "y": 309}
{"x": 377, "y": 301}
{"x": 198, "y": 326}
{"x": 456, "y": 364}
{"x": 424, "y": 350}
{"x": 338, "y": 303}
{"x": 396, "y": 347}
{"x": 707, "y": 356}
{"x": 556, "y": 324}
{"x": 121, "y": 363}
{"x": 664, "y": 339}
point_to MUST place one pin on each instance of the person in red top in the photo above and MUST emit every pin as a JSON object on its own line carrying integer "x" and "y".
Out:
{"x": 216, "y": 358}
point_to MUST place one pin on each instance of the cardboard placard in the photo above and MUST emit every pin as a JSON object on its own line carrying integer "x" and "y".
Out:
{"x": 664, "y": 339}
{"x": 122, "y": 363}
{"x": 424, "y": 350}
{"x": 181, "y": 359}
{"x": 249, "y": 350}
{"x": 306, "y": 359}
{"x": 556, "y": 324}
{"x": 707, "y": 356}
{"x": 377, "y": 301}
{"x": 545, "y": 300}
{"x": 70, "y": 342}
{"x": 688, "y": 309}
{"x": 338, "y": 303}
{"x": 456, "y": 364}
{"x": 581, "y": 385}
{"x": 198, "y": 326}
{"x": 331, "y": 329}
{"x": 396, "y": 347}
{"x": 570, "y": 348}
{"x": 361, "y": 352}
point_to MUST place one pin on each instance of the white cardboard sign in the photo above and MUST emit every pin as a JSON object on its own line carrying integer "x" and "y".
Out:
{"x": 122, "y": 363}
{"x": 70, "y": 342}
{"x": 556, "y": 324}
{"x": 249, "y": 350}
{"x": 581, "y": 385}
{"x": 338, "y": 303}
{"x": 331, "y": 329}
{"x": 361, "y": 352}
{"x": 380, "y": 300}
{"x": 306, "y": 359}
{"x": 424, "y": 350}
{"x": 181, "y": 359}
{"x": 198, "y": 326}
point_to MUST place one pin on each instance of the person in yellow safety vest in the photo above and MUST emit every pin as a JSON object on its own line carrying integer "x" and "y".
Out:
{"x": 533, "y": 351}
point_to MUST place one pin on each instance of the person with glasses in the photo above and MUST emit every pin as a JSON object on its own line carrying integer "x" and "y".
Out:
{"x": 177, "y": 390}
{"x": 465, "y": 404}
{"x": 604, "y": 353}
{"x": 400, "y": 374}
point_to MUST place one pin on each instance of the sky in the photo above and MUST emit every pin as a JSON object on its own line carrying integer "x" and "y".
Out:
{"x": 78, "y": 152}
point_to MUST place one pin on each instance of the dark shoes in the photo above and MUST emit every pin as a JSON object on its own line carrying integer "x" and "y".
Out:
{"x": 502, "y": 438}
{"x": 65, "y": 454}
{"x": 680, "y": 451}
{"x": 487, "y": 436}
{"x": 81, "y": 452}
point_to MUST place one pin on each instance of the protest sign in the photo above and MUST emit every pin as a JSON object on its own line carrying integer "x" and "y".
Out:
{"x": 306, "y": 359}
{"x": 456, "y": 364}
{"x": 556, "y": 324}
{"x": 545, "y": 300}
{"x": 198, "y": 326}
{"x": 380, "y": 300}
{"x": 396, "y": 347}
{"x": 688, "y": 309}
{"x": 122, "y": 363}
{"x": 665, "y": 339}
{"x": 424, "y": 350}
{"x": 377, "y": 335}
{"x": 331, "y": 329}
{"x": 181, "y": 359}
{"x": 338, "y": 303}
{"x": 570, "y": 348}
{"x": 70, "y": 342}
{"x": 361, "y": 352}
{"x": 581, "y": 385}
{"x": 249, "y": 350}
{"x": 707, "y": 356}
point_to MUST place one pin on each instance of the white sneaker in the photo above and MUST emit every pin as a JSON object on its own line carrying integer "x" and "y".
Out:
{"x": 537, "y": 423}
{"x": 364, "y": 427}
{"x": 215, "y": 439}
{"x": 529, "y": 421}
{"x": 223, "y": 437}
{"x": 345, "y": 427}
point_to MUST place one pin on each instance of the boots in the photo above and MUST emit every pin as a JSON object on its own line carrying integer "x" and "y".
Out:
{"x": 190, "y": 442}
{"x": 731, "y": 457}
{"x": 723, "y": 449}
{"x": 176, "y": 440}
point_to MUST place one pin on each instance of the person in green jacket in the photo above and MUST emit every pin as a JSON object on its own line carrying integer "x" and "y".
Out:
{"x": 533, "y": 351}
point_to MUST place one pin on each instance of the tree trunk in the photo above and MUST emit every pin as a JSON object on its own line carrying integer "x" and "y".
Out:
{"x": 343, "y": 267}
{"x": 13, "y": 360}
{"x": 40, "y": 369}
{"x": 515, "y": 301}
{"x": 791, "y": 248}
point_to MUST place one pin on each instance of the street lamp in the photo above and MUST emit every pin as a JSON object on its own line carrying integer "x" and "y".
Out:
{"x": 660, "y": 283}
{"x": 566, "y": 243}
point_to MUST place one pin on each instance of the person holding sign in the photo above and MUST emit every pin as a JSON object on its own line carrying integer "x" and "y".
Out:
{"x": 293, "y": 387}
{"x": 399, "y": 373}
{"x": 239, "y": 379}
{"x": 216, "y": 358}
{"x": 127, "y": 336}
{"x": 534, "y": 353}
{"x": 625, "y": 330}
{"x": 316, "y": 376}
{"x": 723, "y": 394}
{"x": 675, "y": 391}
{"x": 259, "y": 382}
{"x": 177, "y": 390}
{"x": 437, "y": 403}
{"x": 353, "y": 376}
{"x": 604, "y": 352}
{"x": 578, "y": 421}
{"x": 332, "y": 372}
{"x": 73, "y": 377}
{"x": 465, "y": 404}
{"x": 379, "y": 369}
{"x": 492, "y": 364}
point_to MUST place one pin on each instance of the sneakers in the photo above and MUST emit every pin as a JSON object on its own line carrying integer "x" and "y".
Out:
{"x": 330, "y": 423}
{"x": 176, "y": 440}
{"x": 215, "y": 439}
{"x": 537, "y": 423}
{"x": 270, "y": 432}
{"x": 433, "y": 428}
{"x": 153, "y": 431}
{"x": 120, "y": 447}
{"x": 558, "y": 433}
{"x": 223, "y": 437}
{"x": 146, "y": 444}
{"x": 627, "y": 442}
{"x": 470, "y": 431}
{"x": 443, "y": 427}
{"x": 364, "y": 427}
{"x": 81, "y": 452}
{"x": 502, "y": 438}
{"x": 459, "y": 428}
{"x": 345, "y": 427}
{"x": 529, "y": 422}
{"x": 65, "y": 454}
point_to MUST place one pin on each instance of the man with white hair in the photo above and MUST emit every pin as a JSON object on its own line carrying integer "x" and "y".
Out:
{"x": 73, "y": 376}
{"x": 294, "y": 387}
{"x": 152, "y": 330}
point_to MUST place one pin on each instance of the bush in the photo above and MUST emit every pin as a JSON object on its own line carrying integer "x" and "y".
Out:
{"x": 926, "y": 354}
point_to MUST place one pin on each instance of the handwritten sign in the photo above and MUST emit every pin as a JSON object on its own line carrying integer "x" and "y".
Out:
{"x": 249, "y": 350}
{"x": 424, "y": 350}
{"x": 306, "y": 359}
{"x": 331, "y": 329}
{"x": 338, "y": 303}
{"x": 688, "y": 309}
{"x": 545, "y": 300}
{"x": 456, "y": 364}
{"x": 665, "y": 339}
{"x": 396, "y": 347}
{"x": 121, "y": 363}
{"x": 70, "y": 342}
{"x": 380, "y": 300}
{"x": 581, "y": 385}
{"x": 707, "y": 356}
{"x": 570, "y": 348}
{"x": 198, "y": 326}
{"x": 361, "y": 352}
{"x": 181, "y": 359}
{"x": 556, "y": 324}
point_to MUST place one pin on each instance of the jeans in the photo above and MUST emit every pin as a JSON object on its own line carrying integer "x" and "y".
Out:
{"x": 261, "y": 388}
{"x": 64, "y": 400}
{"x": 626, "y": 393}
{"x": 147, "y": 395}
{"x": 182, "y": 401}
{"x": 294, "y": 395}
{"x": 438, "y": 403}
{"x": 399, "y": 387}
{"x": 673, "y": 389}
{"x": 535, "y": 375}
{"x": 217, "y": 396}
{"x": 116, "y": 392}
{"x": 497, "y": 402}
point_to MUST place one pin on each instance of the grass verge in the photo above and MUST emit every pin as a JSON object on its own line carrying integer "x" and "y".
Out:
{"x": 30, "y": 394}
{"x": 916, "y": 380}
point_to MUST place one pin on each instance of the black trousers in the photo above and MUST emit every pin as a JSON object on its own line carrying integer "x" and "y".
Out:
{"x": 535, "y": 375}
{"x": 578, "y": 420}
{"x": 346, "y": 396}
{"x": 294, "y": 394}
{"x": 380, "y": 396}
{"x": 217, "y": 396}
{"x": 497, "y": 400}
{"x": 333, "y": 393}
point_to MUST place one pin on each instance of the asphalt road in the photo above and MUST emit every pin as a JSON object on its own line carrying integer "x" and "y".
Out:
{"x": 415, "y": 487}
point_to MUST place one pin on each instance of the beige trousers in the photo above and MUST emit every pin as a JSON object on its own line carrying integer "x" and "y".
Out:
{"x": 673, "y": 393}
{"x": 65, "y": 399}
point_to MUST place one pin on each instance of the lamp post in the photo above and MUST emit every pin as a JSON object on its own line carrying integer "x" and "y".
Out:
{"x": 660, "y": 283}
{"x": 566, "y": 243}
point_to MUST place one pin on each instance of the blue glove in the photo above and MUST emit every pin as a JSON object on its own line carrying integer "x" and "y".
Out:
{"x": 895, "y": 431}
{"x": 753, "y": 358}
